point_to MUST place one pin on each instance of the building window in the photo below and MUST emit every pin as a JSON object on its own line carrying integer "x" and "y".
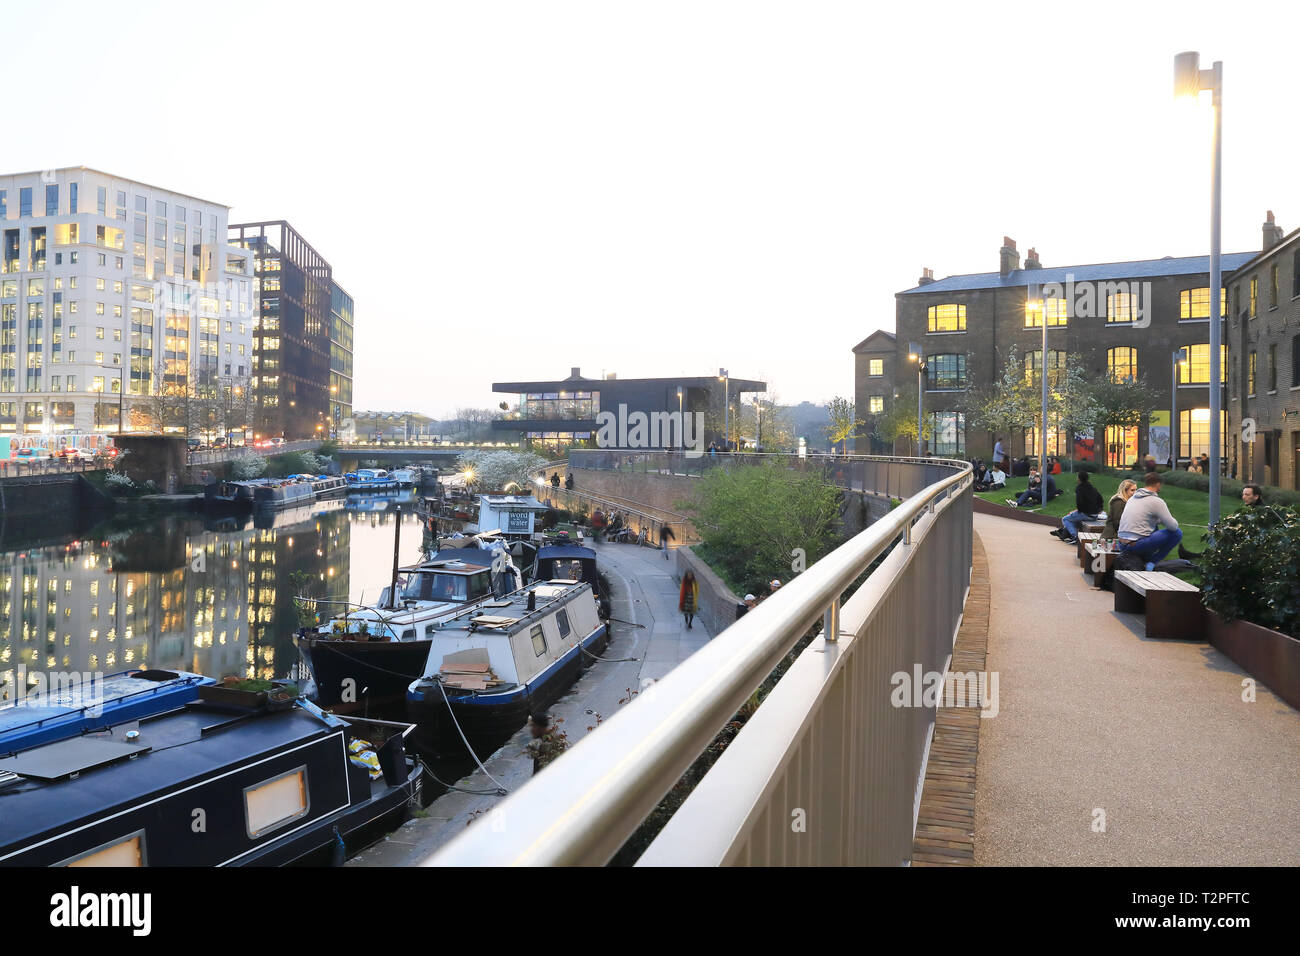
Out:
{"x": 1122, "y": 307}
{"x": 1194, "y": 432}
{"x": 24, "y": 202}
{"x": 1250, "y": 375}
{"x": 947, "y": 318}
{"x": 1055, "y": 363}
{"x": 1121, "y": 446}
{"x": 1055, "y": 309}
{"x": 876, "y": 403}
{"x": 1295, "y": 269}
{"x": 1056, "y": 443}
{"x": 1295, "y": 361}
{"x": 1195, "y": 303}
{"x": 1254, "y": 296}
{"x": 948, "y": 431}
{"x": 945, "y": 371}
{"x": 1272, "y": 368}
{"x": 1272, "y": 286}
{"x": 52, "y": 199}
{"x": 1196, "y": 371}
{"x": 1122, "y": 364}
{"x": 875, "y": 367}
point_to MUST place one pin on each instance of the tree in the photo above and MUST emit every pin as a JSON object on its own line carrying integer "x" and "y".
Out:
{"x": 752, "y": 518}
{"x": 899, "y": 420}
{"x": 1125, "y": 404}
{"x": 844, "y": 421}
{"x": 495, "y": 470}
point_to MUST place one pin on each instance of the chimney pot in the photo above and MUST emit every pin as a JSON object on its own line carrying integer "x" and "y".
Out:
{"x": 1008, "y": 258}
{"x": 1031, "y": 260}
{"x": 927, "y": 276}
{"x": 1272, "y": 232}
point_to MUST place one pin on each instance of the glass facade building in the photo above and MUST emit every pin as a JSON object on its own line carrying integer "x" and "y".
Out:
{"x": 294, "y": 379}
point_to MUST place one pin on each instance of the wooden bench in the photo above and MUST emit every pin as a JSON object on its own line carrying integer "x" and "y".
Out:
{"x": 1172, "y": 606}
{"x": 1086, "y": 538}
{"x": 1102, "y": 571}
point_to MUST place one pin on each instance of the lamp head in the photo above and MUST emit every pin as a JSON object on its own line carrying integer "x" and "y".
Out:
{"x": 1187, "y": 74}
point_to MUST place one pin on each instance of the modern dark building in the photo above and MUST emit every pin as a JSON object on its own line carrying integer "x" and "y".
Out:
{"x": 1263, "y": 338}
{"x": 293, "y": 374}
{"x": 340, "y": 358}
{"x": 565, "y": 412}
{"x": 1124, "y": 320}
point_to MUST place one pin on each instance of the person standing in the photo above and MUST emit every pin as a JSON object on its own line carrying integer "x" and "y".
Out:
{"x": 1146, "y": 528}
{"x": 746, "y": 606}
{"x": 1252, "y": 496}
{"x": 688, "y": 598}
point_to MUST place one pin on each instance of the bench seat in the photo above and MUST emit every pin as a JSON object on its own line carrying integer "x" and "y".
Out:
{"x": 1172, "y": 606}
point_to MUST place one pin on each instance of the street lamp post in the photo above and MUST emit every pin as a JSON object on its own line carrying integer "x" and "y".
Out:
{"x": 726, "y": 409}
{"x": 121, "y": 394}
{"x": 914, "y": 355}
{"x": 681, "y": 421}
{"x": 1178, "y": 358}
{"x": 1190, "y": 80}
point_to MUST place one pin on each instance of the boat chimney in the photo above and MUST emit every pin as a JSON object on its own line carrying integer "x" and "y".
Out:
{"x": 532, "y": 600}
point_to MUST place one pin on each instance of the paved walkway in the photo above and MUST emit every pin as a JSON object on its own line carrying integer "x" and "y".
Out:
{"x": 644, "y": 592}
{"x": 1094, "y": 719}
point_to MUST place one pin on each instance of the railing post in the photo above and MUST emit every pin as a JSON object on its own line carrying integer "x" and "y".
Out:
{"x": 831, "y": 623}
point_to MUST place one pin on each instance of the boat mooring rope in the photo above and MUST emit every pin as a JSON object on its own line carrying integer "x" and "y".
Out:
{"x": 501, "y": 790}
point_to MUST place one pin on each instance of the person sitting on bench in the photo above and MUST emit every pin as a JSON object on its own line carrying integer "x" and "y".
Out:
{"x": 1146, "y": 528}
{"x": 1087, "y": 505}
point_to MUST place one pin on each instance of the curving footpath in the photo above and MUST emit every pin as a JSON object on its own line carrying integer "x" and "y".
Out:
{"x": 1110, "y": 749}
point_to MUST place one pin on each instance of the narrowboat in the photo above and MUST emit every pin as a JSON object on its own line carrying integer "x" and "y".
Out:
{"x": 368, "y": 655}
{"x": 210, "y": 783}
{"x": 68, "y": 704}
{"x": 371, "y": 479}
{"x": 270, "y": 494}
{"x": 492, "y": 664}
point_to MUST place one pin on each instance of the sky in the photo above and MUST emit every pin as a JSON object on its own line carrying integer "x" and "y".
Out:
{"x": 512, "y": 189}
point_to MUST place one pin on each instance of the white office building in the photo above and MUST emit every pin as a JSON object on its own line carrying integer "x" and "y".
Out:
{"x": 112, "y": 294}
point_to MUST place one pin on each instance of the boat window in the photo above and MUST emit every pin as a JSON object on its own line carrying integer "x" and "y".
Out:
{"x": 480, "y": 585}
{"x": 563, "y": 620}
{"x": 539, "y": 640}
{"x": 274, "y": 803}
{"x": 125, "y": 852}
{"x": 427, "y": 586}
{"x": 408, "y": 634}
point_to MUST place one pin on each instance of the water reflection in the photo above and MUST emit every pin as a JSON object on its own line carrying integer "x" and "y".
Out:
{"x": 211, "y": 595}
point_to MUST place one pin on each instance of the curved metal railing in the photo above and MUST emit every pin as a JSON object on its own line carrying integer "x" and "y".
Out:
{"x": 827, "y": 737}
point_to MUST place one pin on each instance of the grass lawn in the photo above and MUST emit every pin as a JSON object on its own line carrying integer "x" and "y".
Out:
{"x": 1190, "y": 508}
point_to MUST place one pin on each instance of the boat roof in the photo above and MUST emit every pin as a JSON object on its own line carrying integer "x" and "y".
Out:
{"x": 42, "y": 797}
{"x": 510, "y": 614}
{"x": 563, "y": 551}
{"x": 461, "y": 561}
{"x": 70, "y": 707}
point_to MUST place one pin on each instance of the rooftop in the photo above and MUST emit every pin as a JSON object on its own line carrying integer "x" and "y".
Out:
{"x": 1095, "y": 272}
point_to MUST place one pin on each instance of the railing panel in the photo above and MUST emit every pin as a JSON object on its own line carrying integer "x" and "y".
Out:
{"x": 826, "y": 742}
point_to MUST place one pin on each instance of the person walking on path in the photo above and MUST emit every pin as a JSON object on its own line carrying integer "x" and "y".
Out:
{"x": 665, "y": 535}
{"x": 688, "y": 598}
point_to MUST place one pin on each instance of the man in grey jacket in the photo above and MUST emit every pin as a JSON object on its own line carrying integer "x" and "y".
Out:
{"x": 1146, "y": 528}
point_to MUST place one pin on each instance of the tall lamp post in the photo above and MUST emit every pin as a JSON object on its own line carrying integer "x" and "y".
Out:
{"x": 914, "y": 355}
{"x": 726, "y": 408}
{"x": 681, "y": 422}
{"x": 121, "y": 394}
{"x": 1179, "y": 357}
{"x": 1189, "y": 81}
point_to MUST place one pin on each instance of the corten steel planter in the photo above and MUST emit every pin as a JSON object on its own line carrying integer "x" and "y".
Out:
{"x": 1271, "y": 657}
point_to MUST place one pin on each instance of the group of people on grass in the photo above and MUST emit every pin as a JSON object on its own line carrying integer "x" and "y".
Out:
{"x": 1138, "y": 519}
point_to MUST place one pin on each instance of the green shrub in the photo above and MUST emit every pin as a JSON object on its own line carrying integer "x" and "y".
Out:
{"x": 1251, "y": 571}
{"x": 1227, "y": 486}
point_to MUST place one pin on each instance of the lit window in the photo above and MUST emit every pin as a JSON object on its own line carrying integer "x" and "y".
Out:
{"x": 876, "y": 404}
{"x": 1055, "y": 309}
{"x": 126, "y": 852}
{"x": 947, "y": 318}
{"x": 278, "y": 801}
{"x": 1122, "y": 364}
{"x": 1122, "y": 307}
{"x": 875, "y": 367}
{"x": 1195, "y": 303}
{"x": 1196, "y": 370}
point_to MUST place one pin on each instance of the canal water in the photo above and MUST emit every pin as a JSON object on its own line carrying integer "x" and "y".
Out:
{"x": 189, "y": 592}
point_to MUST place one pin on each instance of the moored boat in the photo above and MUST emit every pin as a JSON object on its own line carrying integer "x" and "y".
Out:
{"x": 371, "y": 479}
{"x": 271, "y": 784}
{"x": 495, "y": 662}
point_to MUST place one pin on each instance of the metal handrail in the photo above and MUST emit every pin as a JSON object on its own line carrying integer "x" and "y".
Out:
{"x": 613, "y": 777}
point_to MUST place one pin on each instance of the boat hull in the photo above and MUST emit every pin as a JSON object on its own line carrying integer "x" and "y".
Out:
{"x": 343, "y": 670}
{"x": 487, "y": 718}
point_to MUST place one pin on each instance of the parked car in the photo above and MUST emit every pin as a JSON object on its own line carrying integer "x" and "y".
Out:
{"x": 75, "y": 454}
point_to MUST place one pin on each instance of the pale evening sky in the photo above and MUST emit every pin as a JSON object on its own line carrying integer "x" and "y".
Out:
{"x": 511, "y": 189}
